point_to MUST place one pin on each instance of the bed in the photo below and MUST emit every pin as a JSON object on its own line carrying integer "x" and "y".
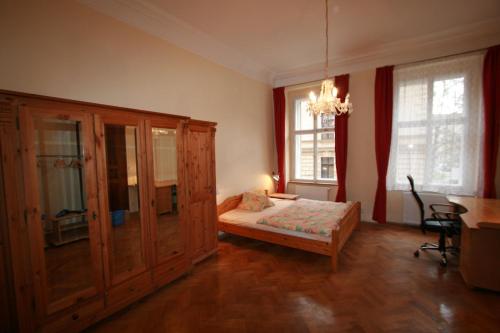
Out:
{"x": 244, "y": 223}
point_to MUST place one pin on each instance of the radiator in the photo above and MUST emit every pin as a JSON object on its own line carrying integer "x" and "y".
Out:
{"x": 312, "y": 191}
{"x": 411, "y": 213}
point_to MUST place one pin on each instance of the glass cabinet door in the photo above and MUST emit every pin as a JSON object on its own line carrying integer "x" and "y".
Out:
{"x": 61, "y": 196}
{"x": 165, "y": 192}
{"x": 123, "y": 199}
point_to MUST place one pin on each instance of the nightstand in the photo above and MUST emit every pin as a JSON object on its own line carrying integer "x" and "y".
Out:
{"x": 286, "y": 196}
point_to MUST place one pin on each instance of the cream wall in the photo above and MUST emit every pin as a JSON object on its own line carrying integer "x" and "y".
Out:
{"x": 361, "y": 163}
{"x": 64, "y": 49}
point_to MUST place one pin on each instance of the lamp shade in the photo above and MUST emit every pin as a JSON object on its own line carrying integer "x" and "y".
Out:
{"x": 276, "y": 177}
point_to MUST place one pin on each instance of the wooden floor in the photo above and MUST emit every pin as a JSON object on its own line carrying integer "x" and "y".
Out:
{"x": 252, "y": 286}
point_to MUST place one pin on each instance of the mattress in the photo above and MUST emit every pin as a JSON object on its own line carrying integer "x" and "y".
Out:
{"x": 248, "y": 219}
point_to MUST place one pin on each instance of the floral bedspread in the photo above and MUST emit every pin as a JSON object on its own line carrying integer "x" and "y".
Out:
{"x": 310, "y": 216}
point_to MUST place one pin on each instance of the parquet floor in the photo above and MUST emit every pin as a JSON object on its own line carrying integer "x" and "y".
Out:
{"x": 251, "y": 286}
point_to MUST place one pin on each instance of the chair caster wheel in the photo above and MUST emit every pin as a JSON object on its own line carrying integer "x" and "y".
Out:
{"x": 416, "y": 253}
{"x": 443, "y": 262}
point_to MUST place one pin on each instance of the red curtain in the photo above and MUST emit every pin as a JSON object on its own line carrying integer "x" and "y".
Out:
{"x": 491, "y": 95}
{"x": 383, "y": 131}
{"x": 279, "y": 132}
{"x": 342, "y": 84}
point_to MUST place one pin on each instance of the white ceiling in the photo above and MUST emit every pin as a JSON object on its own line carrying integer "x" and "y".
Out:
{"x": 282, "y": 41}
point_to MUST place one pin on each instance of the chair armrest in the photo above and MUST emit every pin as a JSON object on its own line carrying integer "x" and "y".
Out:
{"x": 450, "y": 206}
{"x": 445, "y": 215}
{"x": 454, "y": 208}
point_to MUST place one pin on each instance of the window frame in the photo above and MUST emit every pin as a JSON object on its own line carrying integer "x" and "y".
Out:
{"x": 314, "y": 132}
{"x": 468, "y": 179}
{"x": 433, "y": 121}
{"x": 327, "y": 164}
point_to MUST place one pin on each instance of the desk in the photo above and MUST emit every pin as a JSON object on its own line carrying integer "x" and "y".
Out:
{"x": 480, "y": 242}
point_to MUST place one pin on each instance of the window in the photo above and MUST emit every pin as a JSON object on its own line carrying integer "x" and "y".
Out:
{"x": 436, "y": 126}
{"x": 312, "y": 146}
{"x": 327, "y": 167}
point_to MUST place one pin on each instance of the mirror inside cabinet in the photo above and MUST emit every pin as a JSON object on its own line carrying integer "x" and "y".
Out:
{"x": 123, "y": 198}
{"x": 164, "y": 142}
{"x": 60, "y": 168}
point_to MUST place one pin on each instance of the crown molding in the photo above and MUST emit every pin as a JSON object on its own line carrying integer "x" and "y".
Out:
{"x": 143, "y": 15}
{"x": 153, "y": 20}
{"x": 461, "y": 39}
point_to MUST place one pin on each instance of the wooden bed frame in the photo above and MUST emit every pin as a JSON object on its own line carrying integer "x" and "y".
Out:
{"x": 339, "y": 237}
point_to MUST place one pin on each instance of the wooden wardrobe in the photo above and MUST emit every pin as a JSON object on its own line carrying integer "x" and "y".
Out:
{"x": 201, "y": 189}
{"x": 100, "y": 206}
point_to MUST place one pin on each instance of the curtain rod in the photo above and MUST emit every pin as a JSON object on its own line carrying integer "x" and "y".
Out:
{"x": 442, "y": 57}
{"x": 406, "y": 63}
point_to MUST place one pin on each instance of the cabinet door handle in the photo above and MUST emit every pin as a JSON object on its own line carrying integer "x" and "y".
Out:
{"x": 94, "y": 216}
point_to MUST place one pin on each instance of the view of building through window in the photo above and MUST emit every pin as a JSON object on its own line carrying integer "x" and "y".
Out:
{"x": 442, "y": 127}
{"x": 314, "y": 145}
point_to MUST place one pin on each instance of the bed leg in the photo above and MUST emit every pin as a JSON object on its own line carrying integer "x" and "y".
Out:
{"x": 335, "y": 252}
{"x": 358, "y": 214}
{"x": 334, "y": 262}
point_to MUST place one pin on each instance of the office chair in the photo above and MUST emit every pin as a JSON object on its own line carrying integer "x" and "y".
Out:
{"x": 445, "y": 222}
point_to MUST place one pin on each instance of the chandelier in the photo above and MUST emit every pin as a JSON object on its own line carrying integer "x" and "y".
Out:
{"x": 328, "y": 102}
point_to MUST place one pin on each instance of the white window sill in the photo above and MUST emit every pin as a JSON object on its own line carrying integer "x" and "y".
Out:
{"x": 313, "y": 183}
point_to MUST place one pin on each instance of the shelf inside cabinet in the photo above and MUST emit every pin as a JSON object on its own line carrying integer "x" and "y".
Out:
{"x": 70, "y": 232}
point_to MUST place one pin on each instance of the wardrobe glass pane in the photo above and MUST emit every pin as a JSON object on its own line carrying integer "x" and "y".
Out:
{"x": 166, "y": 198}
{"x": 61, "y": 179}
{"x": 123, "y": 195}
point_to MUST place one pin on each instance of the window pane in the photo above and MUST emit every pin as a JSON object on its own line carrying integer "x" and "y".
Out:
{"x": 437, "y": 126}
{"x": 448, "y": 97}
{"x": 447, "y": 154}
{"x": 325, "y": 120}
{"x": 411, "y": 154}
{"x": 304, "y": 156}
{"x": 303, "y": 119}
{"x": 325, "y": 156}
{"x": 412, "y": 103}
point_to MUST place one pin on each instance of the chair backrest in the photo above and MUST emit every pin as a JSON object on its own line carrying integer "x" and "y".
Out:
{"x": 417, "y": 198}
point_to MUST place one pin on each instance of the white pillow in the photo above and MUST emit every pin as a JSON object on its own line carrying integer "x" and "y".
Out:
{"x": 254, "y": 202}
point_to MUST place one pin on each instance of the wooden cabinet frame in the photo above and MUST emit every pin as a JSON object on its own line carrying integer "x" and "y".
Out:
{"x": 45, "y": 308}
{"x": 183, "y": 214}
{"x": 15, "y": 207}
{"x": 162, "y": 271}
{"x": 203, "y": 226}
{"x": 25, "y": 239}
{"x": 100, "y": 120}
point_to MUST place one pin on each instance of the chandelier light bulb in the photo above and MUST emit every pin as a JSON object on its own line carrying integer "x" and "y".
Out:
{"x": 312, "y": 96}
